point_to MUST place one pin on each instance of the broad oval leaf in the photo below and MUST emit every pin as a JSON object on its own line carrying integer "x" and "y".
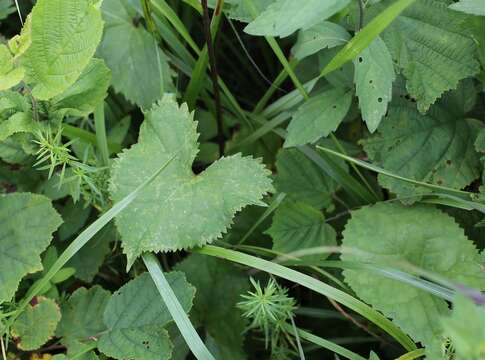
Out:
{"x": 64, "y": 37}
{"x": 135, "y": 318}
{"x": 389, "y": 233}
{"x": 140, "y": 70}
{"x": 318, "y": 117}
{"x": 284, "y": 17}
{"x": 323, "y": 35}
{"x": 28, "y": 222}
{"x": 374, "y": 75}
{"x": 180, "y": 210}
{"x": 36, "y": 324}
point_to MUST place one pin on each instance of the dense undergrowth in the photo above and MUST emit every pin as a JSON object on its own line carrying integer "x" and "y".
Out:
{"x": 242, "y": 179}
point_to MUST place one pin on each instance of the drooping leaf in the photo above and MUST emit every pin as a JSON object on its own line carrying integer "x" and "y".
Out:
{"x": 36, "y": 324}
{"x": 219, "y": 286}
{"x": 89, "y": 90}
{"x": 422, "y": 236}
{"x": 139, "y": 68}
{"x": 23, "y": 237}
{"x": 82, "y": 314}
{"x": 302, "y": 180}
{"x": 318, "y": 117}
{"x": 64, "y": 37}
{"x": 298, "y": 226}
{"x": 374, "y": 75}
{"x": 323, "y": 35}
{"x": 284, "y": 17}
{"x": 436, "y": 148}
{"x": 433, "y": 46}
{"x": 135, "y": 317}
{"x": 474, "y": 7}
{"x": 9, "y": 74}
{"x": 158, "y": 220}
{"x": 465, "y": 329}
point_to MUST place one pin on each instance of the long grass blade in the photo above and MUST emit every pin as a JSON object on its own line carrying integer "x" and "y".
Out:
{"x": 315, "y": 285}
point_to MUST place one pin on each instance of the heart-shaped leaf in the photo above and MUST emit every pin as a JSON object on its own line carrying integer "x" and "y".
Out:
{"x": 180, "y": 210}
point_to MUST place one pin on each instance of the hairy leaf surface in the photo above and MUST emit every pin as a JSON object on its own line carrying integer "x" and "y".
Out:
{"x": 64, "y": 37}
{"x": 180, "y": 210}
{"x": 433, "y": 46}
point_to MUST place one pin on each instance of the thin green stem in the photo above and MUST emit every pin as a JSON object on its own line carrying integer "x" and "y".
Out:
{"x": 101, "y": 137}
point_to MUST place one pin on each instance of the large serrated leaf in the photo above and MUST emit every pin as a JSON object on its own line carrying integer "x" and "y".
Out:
{"x": 433, "y": 46}
{"x": 9, "y": 74}
{"x": 180, "y": 210}
{"x": 28, "y": 222}
{"x": 284, "y": 17}
{"x": 64, "y": 37}
{"x": 374, "y": 75}
{"x": 422, "y": 236}
{"x": 135, "y": 317}
{"x": 140, "y": 70}
{"x": 437, "y": 148}
{"x": 36, "y": 324}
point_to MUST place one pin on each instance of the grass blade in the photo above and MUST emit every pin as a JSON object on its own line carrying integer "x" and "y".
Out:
{"x": 186, "y": 328}
{"x": 101, "y": 133}
{"x": 364, "y": 37}
{"x": 315, "y": 285}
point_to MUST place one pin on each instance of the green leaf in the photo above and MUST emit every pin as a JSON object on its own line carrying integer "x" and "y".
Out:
{"x": 23, "y": 237}
{"x": 157, "y": 219}
{"x": 389, "y": 233}
{"x": 465, "y": 329}
{"x": 475, "y": 7}
{"x": 284, "y": 17}
{"x": 7, "y": 7}
{"x": 89, "y": 90}
{"x": 323, "y": 35}
{"x": 9, "y": 74}
{"x": 433, "y": 46}
{"x": 437, "y": 148}
{"x": 241, "y": 10}
{"x": 89, "y": 259}
{"x": 18, "y": 123}
{"x": 298, "y": 226}
{"x": 219, "y": 286}
{"x": 139, "y": 68}
{"x": 36, "y": 324}
{"x": 135, "y": 317}
{"x": 374, "y": 75}
{"x": 64, "y": 37}
{"x": 82, "y": 315}
{"x": 318, "y": 116}
{"x": 303, "y": 180}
